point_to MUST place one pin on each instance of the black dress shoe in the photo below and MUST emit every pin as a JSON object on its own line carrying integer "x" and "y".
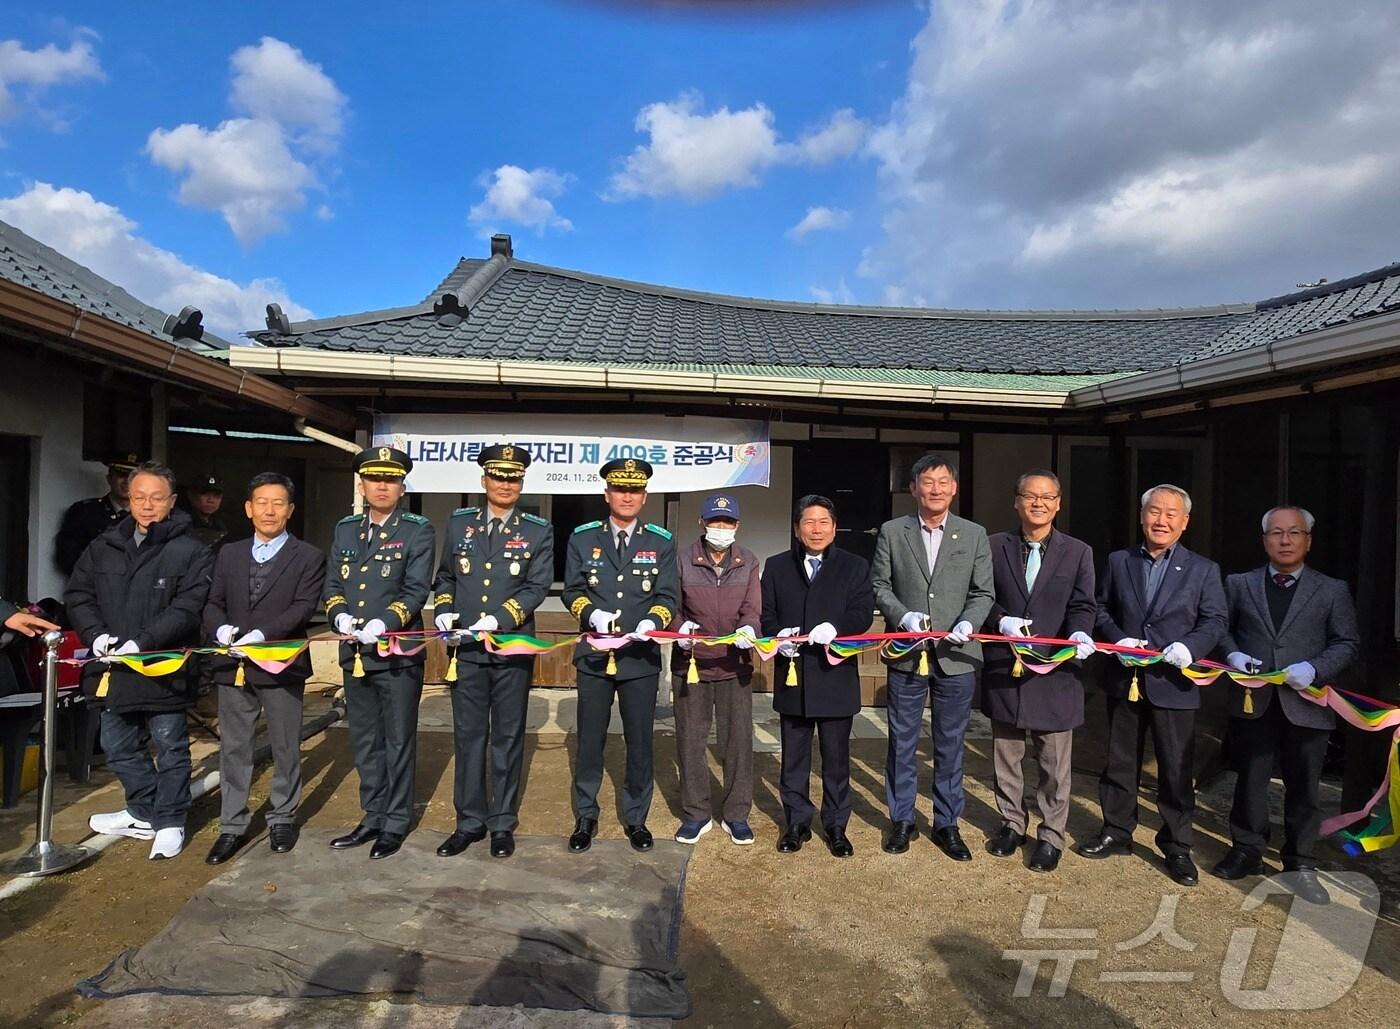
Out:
{"x": 898, "y": 840}
{"x": 1105, "y": 845}
{"x": 791, "y": 841}
{"x": 950, "y": 841}
{"x": 356, "y": 837}
{"x": 388, "y": 843}
{"x": 1237, "y": 864}
{"x": 1045, "y": 857}
{"x": 838, "y": 844}
{"x": 460, "y": 841}
{"x": 1006, "y": 842}
{"x": 1182, "y": 870}
{"x": 224, "y": 848}
{"x": 502, "y": 844}
{"x": 1303, "y": 882}
{"x": 584, "y": 831}
{"x": 639, "y": 836}
{"x": 284, "y": 836}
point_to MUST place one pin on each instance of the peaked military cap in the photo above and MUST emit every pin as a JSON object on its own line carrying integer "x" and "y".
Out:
{"x": 383, "y": 461}
{"x": 125, "y": 461}
{"x": 626, "y": 473}
{"x": 207, "y": 484}
{"x": 504, "y": 461}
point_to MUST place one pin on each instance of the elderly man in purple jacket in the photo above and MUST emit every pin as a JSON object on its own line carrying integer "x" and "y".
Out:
{"x": 1044, "y": 587}
{"x": 720, "y": 593}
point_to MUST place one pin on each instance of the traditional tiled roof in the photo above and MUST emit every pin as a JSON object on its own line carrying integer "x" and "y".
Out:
{"x": 27, "y": 262}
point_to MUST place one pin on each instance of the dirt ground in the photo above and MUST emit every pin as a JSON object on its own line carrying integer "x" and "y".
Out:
{"x": 768, "y": 939}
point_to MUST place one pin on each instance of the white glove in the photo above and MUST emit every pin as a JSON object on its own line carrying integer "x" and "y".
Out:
{"x": 103, "y": 644}
{"x": 445, "y": 622}
{"x": 822, "y": 634}
{"x": 639, "y": 634}
{"x": 960, "y": 633}
{"x": 1129, "y": 641}
{"x": 602, "y": 621}
{"x": 344, "y": 624}
{"x": 224, "y": 634}
{"x": 1009, "y": 626}
{"x": 1177, "y": 655}
{"x": 374, "y": 628}
{"x": 486, "y": 623}
{"x": 1084, "y": 645}
{"x": 687, "y": 629}
{"x": 251, "y": 636}
{"x": 746, "y": 636}
{"x": 129, "y": 647}
{"x": 788, "y": 649}
{"x": 914, "y": 621}
{"x": 1300, "y": 676}
{"x": 1242, "y": 662}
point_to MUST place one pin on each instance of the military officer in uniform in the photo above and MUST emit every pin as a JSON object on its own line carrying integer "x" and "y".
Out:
{"x": 87, "y": 519}
{"x": 378, "y": 574}
{"x": 497, "y": 565}
{"x": 619, "y": 576}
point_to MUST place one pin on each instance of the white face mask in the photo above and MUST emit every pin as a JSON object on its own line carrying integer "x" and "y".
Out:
{"x": 720, "y": 539}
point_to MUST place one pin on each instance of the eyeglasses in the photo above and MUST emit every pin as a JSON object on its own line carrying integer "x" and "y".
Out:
{"x": 149, "y": 498}
{"x": 1286, "y": 534}
{"x": 1044, "y": 498}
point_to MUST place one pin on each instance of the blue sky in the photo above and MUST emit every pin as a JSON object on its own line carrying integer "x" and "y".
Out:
{"x": 980, "y": 153}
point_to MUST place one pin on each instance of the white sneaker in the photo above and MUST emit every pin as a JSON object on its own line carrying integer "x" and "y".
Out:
{"x": 168, "y": 843}
{"x": 121, "y": 823}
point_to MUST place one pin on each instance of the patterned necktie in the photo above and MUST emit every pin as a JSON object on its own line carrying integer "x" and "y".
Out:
{"x": 1032, "y": 564}
{"x": 814, "y": 565}
{"x": 1283, "y": 580}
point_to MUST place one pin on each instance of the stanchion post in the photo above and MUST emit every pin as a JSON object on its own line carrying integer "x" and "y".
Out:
{"x": 46, "y": 857}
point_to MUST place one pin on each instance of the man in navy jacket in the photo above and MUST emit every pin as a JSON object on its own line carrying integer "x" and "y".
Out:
{"x": 1160, "y": 596}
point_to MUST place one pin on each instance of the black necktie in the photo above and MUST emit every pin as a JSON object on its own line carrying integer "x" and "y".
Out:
{"x": 621, "y": 542}
{"x": 494, "y": 527}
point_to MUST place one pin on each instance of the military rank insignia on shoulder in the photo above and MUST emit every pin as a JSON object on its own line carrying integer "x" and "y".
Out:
{"x": 663, "y": 533}
{"x": 465, "y": 511}
{"x": 588, "y": 525}
{"x": 533, "y": 518}
{"x": 416, "y": 519}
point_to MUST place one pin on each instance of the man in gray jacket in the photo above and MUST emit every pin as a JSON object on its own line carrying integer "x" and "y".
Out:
{"x": 932, "y": 570}
{"x": 1286, "y": 616}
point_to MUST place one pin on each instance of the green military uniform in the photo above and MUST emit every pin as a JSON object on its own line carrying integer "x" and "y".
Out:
{"x": 501, "y": 572}
{"x": 382, "y": 572}
{"x": 634, "y": 584}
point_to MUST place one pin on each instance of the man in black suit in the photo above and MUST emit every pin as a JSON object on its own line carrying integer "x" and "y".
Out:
{"x": 1159, "y": 596}
{"x": 1044, "y": 584}
{"x": 819, "y": 591}
{"x": 1289, "y": 616}
{"x": 265, "y": 589}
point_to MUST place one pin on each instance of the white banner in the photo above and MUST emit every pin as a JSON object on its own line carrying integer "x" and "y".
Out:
{"x": 687, "y": 454}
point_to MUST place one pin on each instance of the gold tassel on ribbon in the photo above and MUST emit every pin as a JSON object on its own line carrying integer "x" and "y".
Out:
{"x": 692, "y": 674}
{"x": 612, "y": 663}
{"x": 1018, "y": 669}
{"x": 1133, "y": 692}
{"x": 358, "y": 671}
{"x": 1248, "y": 701}
{"x": 923, "y": 662}
{"x": 792, "y": 673}
{"x": 103, "y": 683}
{"x": 239, "y": 679}
{"x": 452, "y": 665}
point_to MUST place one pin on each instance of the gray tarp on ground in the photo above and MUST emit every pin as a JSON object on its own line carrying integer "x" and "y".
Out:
{"x": 545, "y": 928}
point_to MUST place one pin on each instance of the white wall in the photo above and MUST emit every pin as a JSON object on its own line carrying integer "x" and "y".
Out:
{"x": 766, "y": 526}
{"x": 53, "y": 419}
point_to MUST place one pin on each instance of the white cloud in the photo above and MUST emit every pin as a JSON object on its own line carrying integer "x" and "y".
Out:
{"x": 274, "y": 81}
{"x": 103, "y": 239}
{"x": 256, "y": 170}
{"x": 1082, "y": 154}
{"x": 33, "y": 71}
{"x": 841, "y": 294}
{"x": 242, "y": 169}
{"x": 819, "y": 219}
{"x": 695, "y": 155}
{"x": 523, "y": 197}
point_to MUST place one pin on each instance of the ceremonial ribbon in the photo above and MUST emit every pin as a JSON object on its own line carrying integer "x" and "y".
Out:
{"x": 1039, "y": 654}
